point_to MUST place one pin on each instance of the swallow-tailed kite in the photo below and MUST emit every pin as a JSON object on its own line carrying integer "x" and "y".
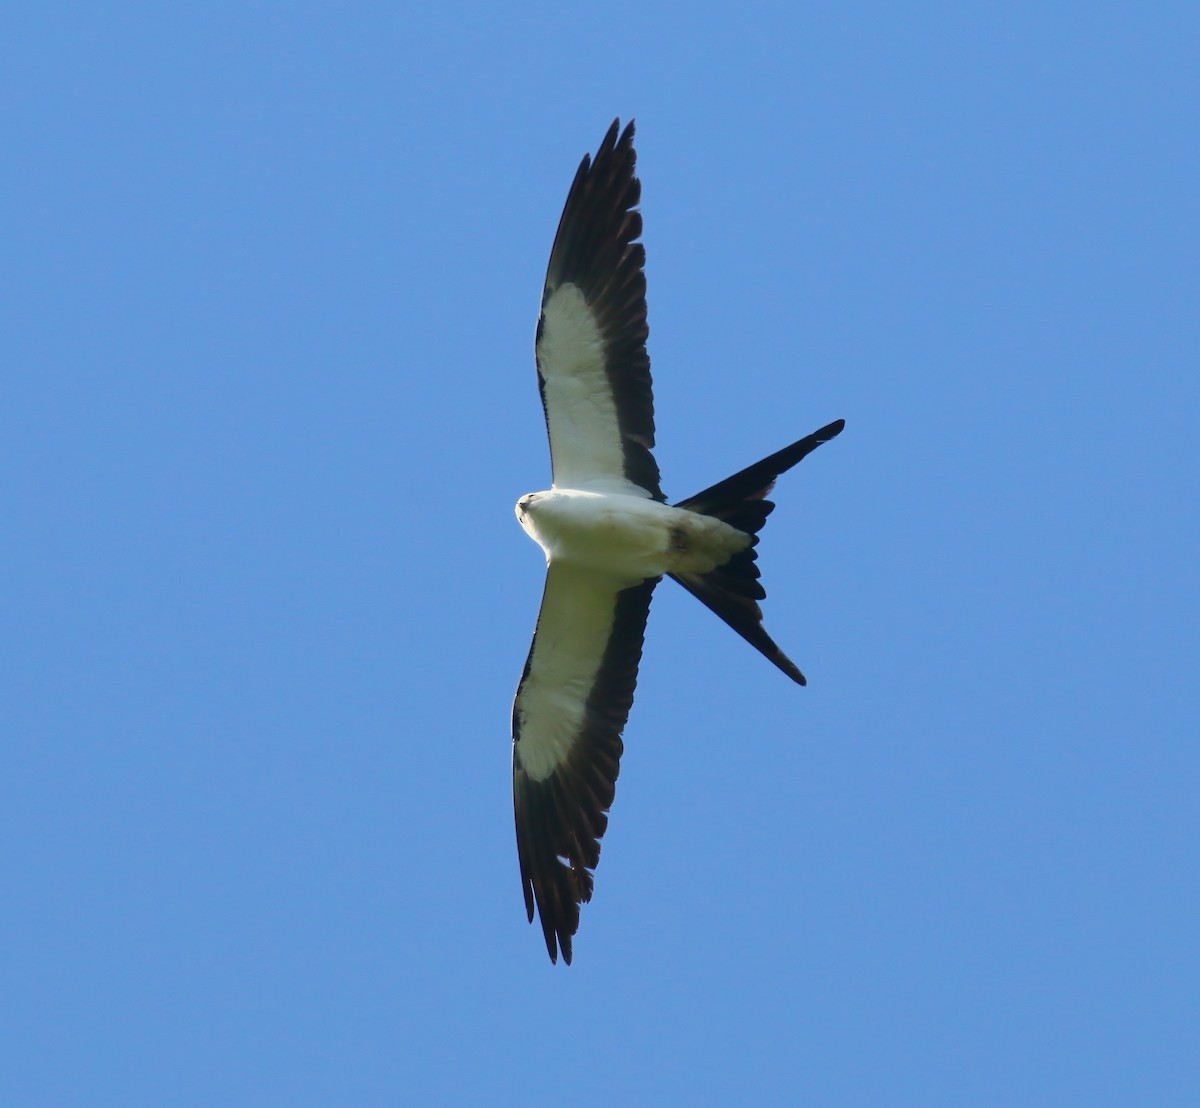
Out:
{"x": 609, "y": 537}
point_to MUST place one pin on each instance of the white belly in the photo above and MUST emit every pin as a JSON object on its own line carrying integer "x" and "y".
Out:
{"x": 630, "y": 537}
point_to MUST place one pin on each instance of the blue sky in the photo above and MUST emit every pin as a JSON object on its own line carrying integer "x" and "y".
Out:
{"x": 272, "y": 274}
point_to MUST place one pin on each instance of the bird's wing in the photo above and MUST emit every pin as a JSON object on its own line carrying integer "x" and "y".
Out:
{"x": 593, "y": 369}
{"x": 570, "y": 708}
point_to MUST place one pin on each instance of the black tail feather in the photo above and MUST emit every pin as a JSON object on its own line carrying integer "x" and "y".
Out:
{"x": 733, "y": 590}
{"x": 754, "y": 482}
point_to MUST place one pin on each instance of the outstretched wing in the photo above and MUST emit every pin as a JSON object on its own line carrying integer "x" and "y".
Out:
{"x": 593, "y": 369}
{"x": 570, "y": 709}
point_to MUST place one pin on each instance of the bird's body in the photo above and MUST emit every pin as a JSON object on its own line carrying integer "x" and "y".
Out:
{"x": 609, "y": 537}
{"x": 626, "y": 537}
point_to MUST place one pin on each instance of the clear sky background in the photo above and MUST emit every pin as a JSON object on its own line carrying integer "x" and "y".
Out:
{"x": 271, "y": 274}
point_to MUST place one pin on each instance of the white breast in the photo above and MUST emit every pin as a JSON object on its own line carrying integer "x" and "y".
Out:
{"x": 629, "y": 537}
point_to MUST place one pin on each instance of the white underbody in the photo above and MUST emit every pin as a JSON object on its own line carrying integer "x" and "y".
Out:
{"x": 625, "y": 536}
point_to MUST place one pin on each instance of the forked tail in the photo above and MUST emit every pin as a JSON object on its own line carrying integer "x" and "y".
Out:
{"x": 733, "y": 590}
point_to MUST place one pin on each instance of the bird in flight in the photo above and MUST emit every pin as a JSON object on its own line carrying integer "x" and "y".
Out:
{"x": 609, "y": 537}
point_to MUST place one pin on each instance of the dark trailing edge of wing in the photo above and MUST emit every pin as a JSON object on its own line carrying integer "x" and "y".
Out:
{"x": 733, "y": 590}
{"x": 561, "y": 819}
{"x": 594, "y": 249}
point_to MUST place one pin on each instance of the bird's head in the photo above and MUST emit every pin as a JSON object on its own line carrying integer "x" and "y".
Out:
{"x": 523, "y": 505}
